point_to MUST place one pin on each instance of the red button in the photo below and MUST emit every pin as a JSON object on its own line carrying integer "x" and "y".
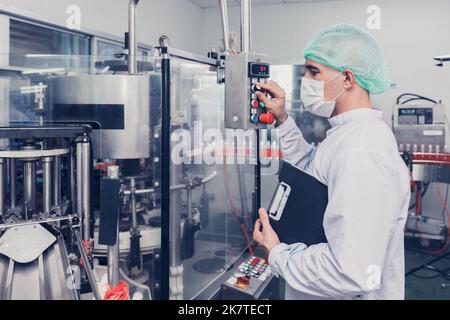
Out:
{"x": 242, "y": 282}
{"x": 267, "y": 118}
{"x": 255, "y": 103}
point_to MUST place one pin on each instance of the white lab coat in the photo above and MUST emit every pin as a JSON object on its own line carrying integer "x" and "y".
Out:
{"x": 368, "y": 192}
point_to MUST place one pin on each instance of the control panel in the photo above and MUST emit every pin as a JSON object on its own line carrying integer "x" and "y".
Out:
{"x": 421, "y": 128}
{"x": 249, "y": 280}
{"x": 415, "y": 116}
{"x": 243, "y": 109}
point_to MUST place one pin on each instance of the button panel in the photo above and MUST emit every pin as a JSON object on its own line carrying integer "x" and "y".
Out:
{"x": 252, "y": 267}
{"x": 261, "y": 116}
{"x": 248, "y": 279}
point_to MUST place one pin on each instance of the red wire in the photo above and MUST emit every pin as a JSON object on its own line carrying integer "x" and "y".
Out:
{"x": 120, "y": 292}
{"x": 441, "y": 199}
{"x": 236, "y": 210}
{"x": 418, "y": 197}
{"x": 418, "y": 209}
{"x": 87, "y": 249}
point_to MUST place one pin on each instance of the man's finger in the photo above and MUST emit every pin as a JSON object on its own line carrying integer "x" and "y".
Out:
{"x": 257, "y": 234}
{"x": 264, "y": 86}
{"x": 257, "y": 225}
{"x": 261, "y": 96}
{"x": 264, "y": 218}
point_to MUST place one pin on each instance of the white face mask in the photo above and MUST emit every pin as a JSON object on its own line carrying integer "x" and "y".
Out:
{"x": 312, "y": 94}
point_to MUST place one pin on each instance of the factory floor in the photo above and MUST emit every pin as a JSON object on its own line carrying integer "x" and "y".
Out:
{"x": 425, "y": 284}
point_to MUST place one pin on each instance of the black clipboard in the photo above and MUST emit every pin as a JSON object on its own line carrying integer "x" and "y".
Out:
{"x": 298, "y": 207}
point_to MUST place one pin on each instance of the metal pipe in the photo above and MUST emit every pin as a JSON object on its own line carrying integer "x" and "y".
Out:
{"x": 57, "y": 181}
{"x": 12, "y": 182}
{"x": 189, "y": 201}
{"x": 87, "y": 267}
{"x": 79, "y": 180}
{"x": 113, "y": 261}
{"x": 175, "y": 217}
{"x": 246, "y": 22}
{"x": 133, "y": 203}
{"x": 209, "y": 178}
{"x": 29, "y": 185}
{"x": 132, "y": 40}
{"x": 140, "y": 191}
{"x": 172, "y": 188}
{"x": 225, "y": 25}
{"x": 72, "y": 179}
{"x": 47, "y": 184}
{"x": 258, "y": 173}
{"x": 2, "y": 186}
{"x": 165, "y": 176}
{"x": 86, "y": 187}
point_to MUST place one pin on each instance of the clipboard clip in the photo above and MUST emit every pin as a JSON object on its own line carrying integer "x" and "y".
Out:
{"x": 279, "y": 200}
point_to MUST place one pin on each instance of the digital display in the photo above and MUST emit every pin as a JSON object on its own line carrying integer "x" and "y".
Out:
{"x": 415, "y": 111}
{"x": 415, "y": 116}
{"x": 259, "y": 70}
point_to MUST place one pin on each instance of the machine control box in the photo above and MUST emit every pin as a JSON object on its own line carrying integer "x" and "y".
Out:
{"x": 243, "y": 109}
{"x": 421, "y": 128}
{"x": 249, "y": 281}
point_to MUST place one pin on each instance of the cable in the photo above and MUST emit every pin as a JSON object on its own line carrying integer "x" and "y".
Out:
{"x": 445, "y": 273}
{"x": 418, "y": 203}
{"x": 240, "y": 219}
{"x": 445, "y": 218}
{"x": 443, "y": 203}
{"x": 415, "y": 99}
{"x": 425, "y": 189}
{"x": 416, "y": 96}
{"x": 426, "y": 277}
{"x": 417, "y": 213}
{"x": 136, "y": 284}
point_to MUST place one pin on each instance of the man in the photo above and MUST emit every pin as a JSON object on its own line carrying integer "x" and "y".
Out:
{"x": 368, "y": 183}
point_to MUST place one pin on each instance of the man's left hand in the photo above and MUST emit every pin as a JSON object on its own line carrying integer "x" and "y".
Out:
{"x": 263, "y": 233}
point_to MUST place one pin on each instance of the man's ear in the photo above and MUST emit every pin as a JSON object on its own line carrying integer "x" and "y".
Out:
{"x": 349, "y": 78}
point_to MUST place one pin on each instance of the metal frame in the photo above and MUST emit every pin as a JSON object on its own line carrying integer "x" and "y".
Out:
{"x": 165, "y": 176}
{"x": 185, "y": 55}
{"x": 166, "y": 54}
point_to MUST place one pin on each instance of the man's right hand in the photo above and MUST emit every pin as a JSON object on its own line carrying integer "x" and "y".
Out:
{"x": 276, "y": 105}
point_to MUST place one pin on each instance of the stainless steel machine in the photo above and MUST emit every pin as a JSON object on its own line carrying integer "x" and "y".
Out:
{"x": 421, "y": 128}
{"x": 129, "y": 184}
{"x": 116, "y": 105}
{"x": 422, "y": 133}
{"x": 45, "y": 224}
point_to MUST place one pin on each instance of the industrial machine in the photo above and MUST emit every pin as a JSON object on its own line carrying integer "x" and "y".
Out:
{"x": 131, "y": 182}
{"x": 422, "y": 134}
{"x": 421, "y": 128}
{"x": 45, "y": 225}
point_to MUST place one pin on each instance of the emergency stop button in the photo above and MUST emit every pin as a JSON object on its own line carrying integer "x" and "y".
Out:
{"x": 267, "y": 118}
{"x": 242, "y": 282}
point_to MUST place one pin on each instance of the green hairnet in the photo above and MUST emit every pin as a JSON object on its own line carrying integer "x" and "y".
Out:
{"x": 345, "y": 46}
